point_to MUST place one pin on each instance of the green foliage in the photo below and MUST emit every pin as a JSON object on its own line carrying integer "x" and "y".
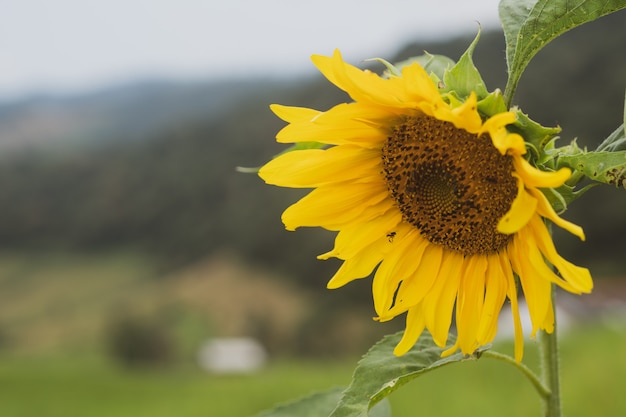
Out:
{"x": 139, "y": 341}
{"x": 380, "y": 372}
{"x": 602, "y": 167}
{"x": 529, "y": 25}
{"x": 320, "y": 404}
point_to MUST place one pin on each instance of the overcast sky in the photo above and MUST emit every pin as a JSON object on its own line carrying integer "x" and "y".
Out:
{"x": 75, "y": 45}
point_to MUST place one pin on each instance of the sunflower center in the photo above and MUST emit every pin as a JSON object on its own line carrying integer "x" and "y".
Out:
{"x": 453, "y": 186}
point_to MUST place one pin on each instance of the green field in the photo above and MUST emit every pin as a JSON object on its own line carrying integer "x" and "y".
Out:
{"x": 594, "y": 374}
{"x": 53, "y": 363}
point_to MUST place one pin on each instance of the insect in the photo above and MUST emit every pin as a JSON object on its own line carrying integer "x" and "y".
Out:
{"x": 390, "y": 236}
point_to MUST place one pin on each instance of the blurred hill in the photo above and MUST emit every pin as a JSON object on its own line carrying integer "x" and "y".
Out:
{"x": 151, "y": 167}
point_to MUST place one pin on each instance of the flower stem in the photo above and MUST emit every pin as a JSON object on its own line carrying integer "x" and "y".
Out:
{"x": 543, "y": 391}
{"x": 549, "y": 357}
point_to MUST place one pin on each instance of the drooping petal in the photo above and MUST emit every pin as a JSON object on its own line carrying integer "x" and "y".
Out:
{"x": 535, "y": 259}
{"x": 470, "y": 303}
{"x": 439, "y": 303}
{"x": 545, "y": 209}
{"x": 414, "y": 327}
{"x": 504, "y": 141}
{"x": 579, "y": 278}
{"x": 415, "y": 287}
{"x": 522, "y": 209}
{"x": 534, "y": 177}
{"x": 397, "y": 269}
{"x": 495, "y": 293}
{"x": 537, "y": 291}
{"x": 505, "y": 263}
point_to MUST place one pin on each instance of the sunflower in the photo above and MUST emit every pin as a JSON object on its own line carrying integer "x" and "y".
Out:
{"x": 435, "y": 199}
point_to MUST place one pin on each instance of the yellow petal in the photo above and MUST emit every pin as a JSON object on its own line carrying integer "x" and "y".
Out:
{"x": 398, "y": 266}
{"x": 414, "y": 328}
{"x": 537, "y": 291}
{"x": 512, "y": 294}
{"x": 371, "y": 114}
{"x": 536, "y": 260}
{"x": 362, "y": 86}
{"x": 351, "y": 240}
{"x": 579, "y": 278}
{"x": 495, "y": 294}
{"x": 344, "y": 133}
{"x": 313, "y": 168}
{"x": 470, "y": 303}
{"x": 360, "y": 265}
{"x": 545, "y": 209}
{"x": 439, "y": 302}
{"x": 334, "y": 207}
{"x": 294, "y": 114}
{"x": 416, "y": 285}
{"x": 534, "y": 177}
{"x": 419, "y": 86}
{"x": 466, "y": 115}
{"x": 520, "y": 213}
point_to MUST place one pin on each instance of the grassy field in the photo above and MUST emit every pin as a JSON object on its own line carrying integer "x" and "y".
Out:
{"x": 594, "y": 374}
{"x": 52, "y": 363}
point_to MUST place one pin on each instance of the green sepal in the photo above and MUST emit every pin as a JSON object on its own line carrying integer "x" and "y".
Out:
{"x": 534, "y": 134}
{"x": 380, "y": 372}
{"x": 492, "y": 104}
{"x": 464, "y": 78}
{"x": 603, "y": 167}
{"x": 319, "y": 404}
{"x": 295, "y": 147}
{"x": 432, "y": 64}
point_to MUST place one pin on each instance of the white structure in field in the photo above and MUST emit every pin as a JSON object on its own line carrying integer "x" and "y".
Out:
{"x": 232, "y": 355}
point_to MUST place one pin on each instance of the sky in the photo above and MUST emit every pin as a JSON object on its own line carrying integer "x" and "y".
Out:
{"x": 81, "y": 45}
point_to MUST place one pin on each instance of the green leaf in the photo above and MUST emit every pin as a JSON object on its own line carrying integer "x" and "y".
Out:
{"x": 603, "y": 167}
{"x": 464, "y": 78}
{"x": 319, "y": 404}
{"x": 380, "y": 372}
{"x": 529, "y": 25}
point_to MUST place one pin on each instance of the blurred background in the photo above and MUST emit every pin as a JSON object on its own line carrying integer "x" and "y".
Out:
{"x": 140, "y": 274}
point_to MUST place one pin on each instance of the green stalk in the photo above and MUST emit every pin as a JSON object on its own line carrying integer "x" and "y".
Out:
{"x": 509, "y": 90}
{"x": 543, "y": 391}
{"x": 549, "y": 357}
